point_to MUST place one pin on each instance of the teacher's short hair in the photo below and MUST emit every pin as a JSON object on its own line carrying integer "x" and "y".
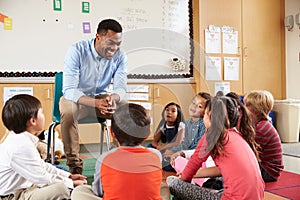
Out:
{"x": 109, "y": 24}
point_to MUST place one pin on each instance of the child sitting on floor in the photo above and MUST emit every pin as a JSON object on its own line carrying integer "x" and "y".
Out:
{"x": 169, "y": 133}
{"x": 260, "y": 103}
{"x": 194, "y": 126}
{"x": 23, "y": 174}
{"x": 129, "y": 171}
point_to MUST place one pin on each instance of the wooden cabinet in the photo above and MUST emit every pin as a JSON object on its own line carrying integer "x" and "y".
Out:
{"x": 43, "y": 91}
{"x": 261, "y": 42}
{"x": 263, "y": 46}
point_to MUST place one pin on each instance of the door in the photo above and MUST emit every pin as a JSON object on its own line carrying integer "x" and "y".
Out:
{"x": 263, "y": 46}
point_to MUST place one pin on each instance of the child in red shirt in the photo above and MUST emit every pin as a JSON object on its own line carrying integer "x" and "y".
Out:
{"x": 129, "y": 171}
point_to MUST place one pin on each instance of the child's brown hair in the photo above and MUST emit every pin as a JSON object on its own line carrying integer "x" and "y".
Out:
{"x": 261, "y": 102}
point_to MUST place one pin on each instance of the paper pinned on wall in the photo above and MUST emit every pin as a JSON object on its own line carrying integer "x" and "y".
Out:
{"x": 222, "y": 86}
{"x": 213, "y": 68}
{"x": 230, "y": 42}
{"x": 86, "y": 27}
{"x": 213, "y": 39}
{"x": 85, "y": 7}
{"x": 57, "y": 5}
{"x": 2, "y": 17}
{"x": 70, "y": 25}
{"x": 231, "y": 68}
{"x": 7, "y": 23}
{"x": 146, "y": 105}
{"x": 137, "y": 88}
{"x": 9, "y": 92}
{"x": 137, "y": 96}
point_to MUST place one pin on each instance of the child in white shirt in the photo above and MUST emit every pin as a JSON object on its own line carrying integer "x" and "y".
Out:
{"x": 23, "y": 174}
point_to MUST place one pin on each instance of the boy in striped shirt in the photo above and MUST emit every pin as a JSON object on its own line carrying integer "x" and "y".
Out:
{"x": 260, "y": 103}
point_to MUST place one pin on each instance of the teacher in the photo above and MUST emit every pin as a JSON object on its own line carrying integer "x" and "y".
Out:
{"x": 90, "y": 67}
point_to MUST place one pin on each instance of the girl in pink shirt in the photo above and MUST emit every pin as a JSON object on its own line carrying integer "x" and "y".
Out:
{"x": 235, "y": 160}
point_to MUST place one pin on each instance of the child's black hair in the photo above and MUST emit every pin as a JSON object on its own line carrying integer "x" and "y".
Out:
{"x": 245, "y": 126}
{"x": 131, "y": 124}
{"x": 179, "y": 118}
{"x": 18, "y": 110}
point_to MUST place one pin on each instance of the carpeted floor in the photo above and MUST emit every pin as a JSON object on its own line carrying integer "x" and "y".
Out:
{"x": 291, "y": 149}
{"x": 269, "y": 195}
{"x": 88, "y": 168}
{"x": 288, "y": 186}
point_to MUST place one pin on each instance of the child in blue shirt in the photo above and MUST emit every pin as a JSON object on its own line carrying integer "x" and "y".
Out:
{"x": 194, "y": 126}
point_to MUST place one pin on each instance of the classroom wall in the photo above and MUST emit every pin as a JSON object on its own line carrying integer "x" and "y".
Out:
{"x": 154, "y": 32}
{"x": 292, "y": 7}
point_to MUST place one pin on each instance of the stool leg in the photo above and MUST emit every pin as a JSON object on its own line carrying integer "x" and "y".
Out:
{"x": 101, "y": 138}
{"x": 107, "y": 138}
{"x": 53, "y": 148}
{"x": 51, "y": 143}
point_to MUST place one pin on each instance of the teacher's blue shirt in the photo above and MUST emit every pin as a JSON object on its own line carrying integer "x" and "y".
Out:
{"x": 87, "y": 73}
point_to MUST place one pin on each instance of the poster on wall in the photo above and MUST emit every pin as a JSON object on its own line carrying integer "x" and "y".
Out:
{"x": 213, "y": 39}
{"x": 231, "y": 68}
{"x": 212, "y": 68}
{"x": 223, "y": 87}
{"x": 230, "y": 42}
{"x": 9, "y": 92}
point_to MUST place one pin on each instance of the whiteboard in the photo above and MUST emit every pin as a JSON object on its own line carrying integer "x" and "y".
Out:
{"x": 154, "y": 32}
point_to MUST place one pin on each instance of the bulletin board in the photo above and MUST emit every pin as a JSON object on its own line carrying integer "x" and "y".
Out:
{"x": 154, "y": 33}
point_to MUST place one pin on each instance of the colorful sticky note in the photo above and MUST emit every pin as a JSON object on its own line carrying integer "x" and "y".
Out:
{"x": 85, "y": 7}
{"x": 7, "y": 23}
{"x": 86, "y": 27}
{"x": 57, "y": 5}
{"x": 2, "y": 17}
